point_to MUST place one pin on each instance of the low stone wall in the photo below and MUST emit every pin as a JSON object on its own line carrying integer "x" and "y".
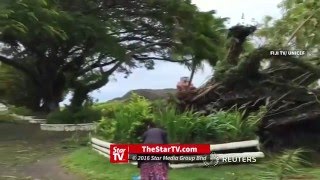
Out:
{"x": 50, "y": 127}
{"x": 26, "y": 118}
{"x": 68, "y": 127}
{"x": 3, "y": 109}
{"x": 37, "y": 121}
{"x": 30, "y": 119}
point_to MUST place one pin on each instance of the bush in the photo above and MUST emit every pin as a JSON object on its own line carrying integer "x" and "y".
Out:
{"x": 127, "y": 121}
{"x": 159, "y": 106}
{"x": 106, "y": 129}
{"x": 85, "y": 115}
{"x": 178, "y": 126}
{"x": 108, "y": 109}
{"x": 187, "y": 127}
{"x": 222, "y": 126}
{"x": 138, "y": 128}
{"x": 23, "y": 111}
{"x": 233, "y": 125}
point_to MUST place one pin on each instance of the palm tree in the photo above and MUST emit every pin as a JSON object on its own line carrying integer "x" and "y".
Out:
{"x": 210, "y": 35}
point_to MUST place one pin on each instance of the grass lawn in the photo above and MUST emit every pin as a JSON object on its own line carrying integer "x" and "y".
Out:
{"x": 94, "y": 166}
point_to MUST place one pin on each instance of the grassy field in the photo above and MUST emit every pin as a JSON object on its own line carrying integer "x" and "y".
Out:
{"x": 94, "y": 166}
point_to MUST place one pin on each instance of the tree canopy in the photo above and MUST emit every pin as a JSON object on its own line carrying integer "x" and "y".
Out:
{"x": 77, "y": 45}
{"x": 298, "y": 28}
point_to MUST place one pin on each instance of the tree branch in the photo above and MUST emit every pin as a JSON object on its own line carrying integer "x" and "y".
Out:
{"x": 124, "y": 32}
{"x": 304, "y": 64}
{"x": 261, "y": 53}
{"x": 143, "y": 48}
{"x": 134, "y": 39}
{"x": 300, "y": 26}
{"x": 97, "y": 65}
{"x": 113, "y": 69}
{"x": 104, "y": 79}
{"x": 105, "y": 75}
{"x": 160, "y": 59}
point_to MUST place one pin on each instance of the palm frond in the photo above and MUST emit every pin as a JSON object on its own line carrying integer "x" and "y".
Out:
{"x": 288, "y": 164}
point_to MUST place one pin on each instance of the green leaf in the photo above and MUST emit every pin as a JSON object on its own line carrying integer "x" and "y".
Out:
{"x": 43, "y": 2}
{"x": 33, "y": 16}
{"x": 54, "y": 31}
{"x": 22, "y": 4}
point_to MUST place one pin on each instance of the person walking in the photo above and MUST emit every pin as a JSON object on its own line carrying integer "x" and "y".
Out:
{"x": 154, "y": 170}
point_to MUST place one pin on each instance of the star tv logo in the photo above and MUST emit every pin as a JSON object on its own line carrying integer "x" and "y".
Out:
{"x": 119, "y": 154}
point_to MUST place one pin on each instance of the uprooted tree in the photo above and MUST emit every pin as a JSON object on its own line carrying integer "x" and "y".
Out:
{"x": 284, "y": 85}
{"x": 76, "y": 46}
{"x": 285, "y": 88}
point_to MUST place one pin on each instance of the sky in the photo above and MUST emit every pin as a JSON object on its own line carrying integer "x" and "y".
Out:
{"x": 166, "y": 75}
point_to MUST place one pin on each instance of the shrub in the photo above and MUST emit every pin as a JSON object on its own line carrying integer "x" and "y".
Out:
{"x": 186, "y": 127}
{"x": 159, "y": 106}
{"x": 108, "y": 109}
{"x": 178, "y": 126}
{"x": 23, "y": 111}
{"x": 85, "y": 115}
{"x": 106, "y": 129}
{"x": 137, "y": 129}
{"x": 222, "y": 126}
{"x": 204, "y": 130}
{"x": 232, "y": 125}
{"x": 128, "y": 121}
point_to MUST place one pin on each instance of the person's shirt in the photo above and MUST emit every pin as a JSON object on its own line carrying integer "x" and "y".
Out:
{"x": 155, "y": 136}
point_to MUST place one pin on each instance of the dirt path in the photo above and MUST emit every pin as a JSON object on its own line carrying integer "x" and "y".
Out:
{"x": 26, "y": 152}
{"x": 52, "y": 169}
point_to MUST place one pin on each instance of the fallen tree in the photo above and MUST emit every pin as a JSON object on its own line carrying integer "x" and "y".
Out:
{"x": 285, "y": 87}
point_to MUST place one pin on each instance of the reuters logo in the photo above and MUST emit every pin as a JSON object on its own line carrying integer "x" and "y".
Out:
{"x": 212, "y": 161}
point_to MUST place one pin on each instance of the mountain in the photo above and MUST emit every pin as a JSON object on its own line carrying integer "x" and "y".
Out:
{"x": 150, "y": 94}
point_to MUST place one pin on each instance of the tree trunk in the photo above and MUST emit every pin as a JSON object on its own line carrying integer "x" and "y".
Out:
{"x": 81, "y": 91}
{"x": 52, "y": 94}
{"x": 192, "y": 73}
{"x": 35, "y": 104}
{"x": 50, "y": 100}
{"x": 54, "y": 85}
{"x": 50, "y": 105}
{"x": 80, "y": 95}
